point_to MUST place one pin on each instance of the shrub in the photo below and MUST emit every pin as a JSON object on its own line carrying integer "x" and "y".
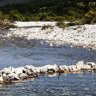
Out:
{"x": 46, "y": 27}
{"x": 90, "y": 17}
{"x": 67, "y": 24}
{"x": 15, "y": 15}
{"x": 61, "y": 24}
{"x": 1, "y": 15}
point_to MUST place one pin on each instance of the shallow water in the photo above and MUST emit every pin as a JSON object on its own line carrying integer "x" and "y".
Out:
{"x": 59, "y": 85}
{"x": 39, "y": 56}
{"x": 83, "y": 84}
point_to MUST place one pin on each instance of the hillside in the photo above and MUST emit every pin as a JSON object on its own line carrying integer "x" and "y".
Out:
{"x": 50, "y": 10}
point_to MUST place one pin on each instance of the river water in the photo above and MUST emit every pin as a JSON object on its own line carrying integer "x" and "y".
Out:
{"x": 81, "y": 84}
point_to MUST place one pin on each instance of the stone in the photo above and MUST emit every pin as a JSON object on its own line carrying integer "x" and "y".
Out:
{"x": 80, "y": 65}
{"x": 72, "y": 68}
{"x": 92, "y": 64}
{"x": 63, "y": 68}
{"x": 87, "y": 67}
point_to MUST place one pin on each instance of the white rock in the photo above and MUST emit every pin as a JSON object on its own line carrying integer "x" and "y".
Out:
{"x": 80, "y": 65}
{"x": 54, "y": 67}
{"x": 94, "y": 68}
{"x": 30, "y": 67}
{"x": 64, "y": 68}
{"x": 23, "y": 76}
{"x": 8, "y": 70}
{"x": 13, "y": 76}
{"x": 92, "y": 64}
{"x": 1, "y": 79}
{"x": 20, "y": 70}
{"x": 42, "y": 69}
{"x": 72, "y": 68}
{"x": 86, "y": 67}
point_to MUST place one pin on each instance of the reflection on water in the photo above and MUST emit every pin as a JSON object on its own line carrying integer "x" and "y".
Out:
{"x": 60, "y": 85}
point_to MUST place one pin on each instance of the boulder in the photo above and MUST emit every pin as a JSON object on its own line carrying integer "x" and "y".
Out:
{"x": 86, "y": 67}
{"x": 92, "y": 64}
{"x": 63, "y": 68}
{"x": 73, "y": 68}
{"x": 20, "y": 70}
{"x": 80, "y": 65}
{"x": 8, "y": 70}
{"x": 13, "y": 76}
{"x": 23, "y": 76}
{"x": 51, "y": 68}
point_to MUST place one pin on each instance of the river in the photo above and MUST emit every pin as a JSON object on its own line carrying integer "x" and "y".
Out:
{"x": 82, "y": 84}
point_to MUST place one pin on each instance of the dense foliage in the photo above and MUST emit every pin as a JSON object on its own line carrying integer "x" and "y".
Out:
{"x": 83, "y": 11}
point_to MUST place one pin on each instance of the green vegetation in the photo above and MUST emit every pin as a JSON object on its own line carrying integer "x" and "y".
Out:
{"x": 46, "y": 27}
{"x": 63, "y": 25}
{"x": 6, "y": 24}
{"x": 81, "y": 11}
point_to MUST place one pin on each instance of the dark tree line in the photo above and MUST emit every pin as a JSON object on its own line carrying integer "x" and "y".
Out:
{"x": 81, "y": 10}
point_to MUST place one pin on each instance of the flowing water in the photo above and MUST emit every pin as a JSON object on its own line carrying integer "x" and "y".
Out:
{"x": 81, "y": 84}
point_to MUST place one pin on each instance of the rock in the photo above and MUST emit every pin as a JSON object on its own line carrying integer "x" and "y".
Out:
{"x": 51, "y": 68}
{"x": 8, "y": 70}
{"x": 20, "y": 70}
{"x": 42, "y": 70}
{"x": 1, "y": 79}
{"x": 94, "y": 68}
{"x": 63, "y": 68}
{"x": 73, "y": 68}
{"x": 13, "y": 76}
{"x": 80, "y": 65}
{"x": 10, "y": 74}
{"x": 92, "y": 64}
{"x": 86, "y": 67}
{"x": 30, "y": 67}
{"x": 29, "y": 71}
{"x": 23, "y": 76}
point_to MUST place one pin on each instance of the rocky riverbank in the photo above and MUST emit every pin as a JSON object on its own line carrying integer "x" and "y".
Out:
{"x": 48, "y": 34}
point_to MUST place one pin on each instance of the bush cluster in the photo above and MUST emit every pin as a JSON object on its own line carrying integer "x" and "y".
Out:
{"x": 83, "y": 11}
